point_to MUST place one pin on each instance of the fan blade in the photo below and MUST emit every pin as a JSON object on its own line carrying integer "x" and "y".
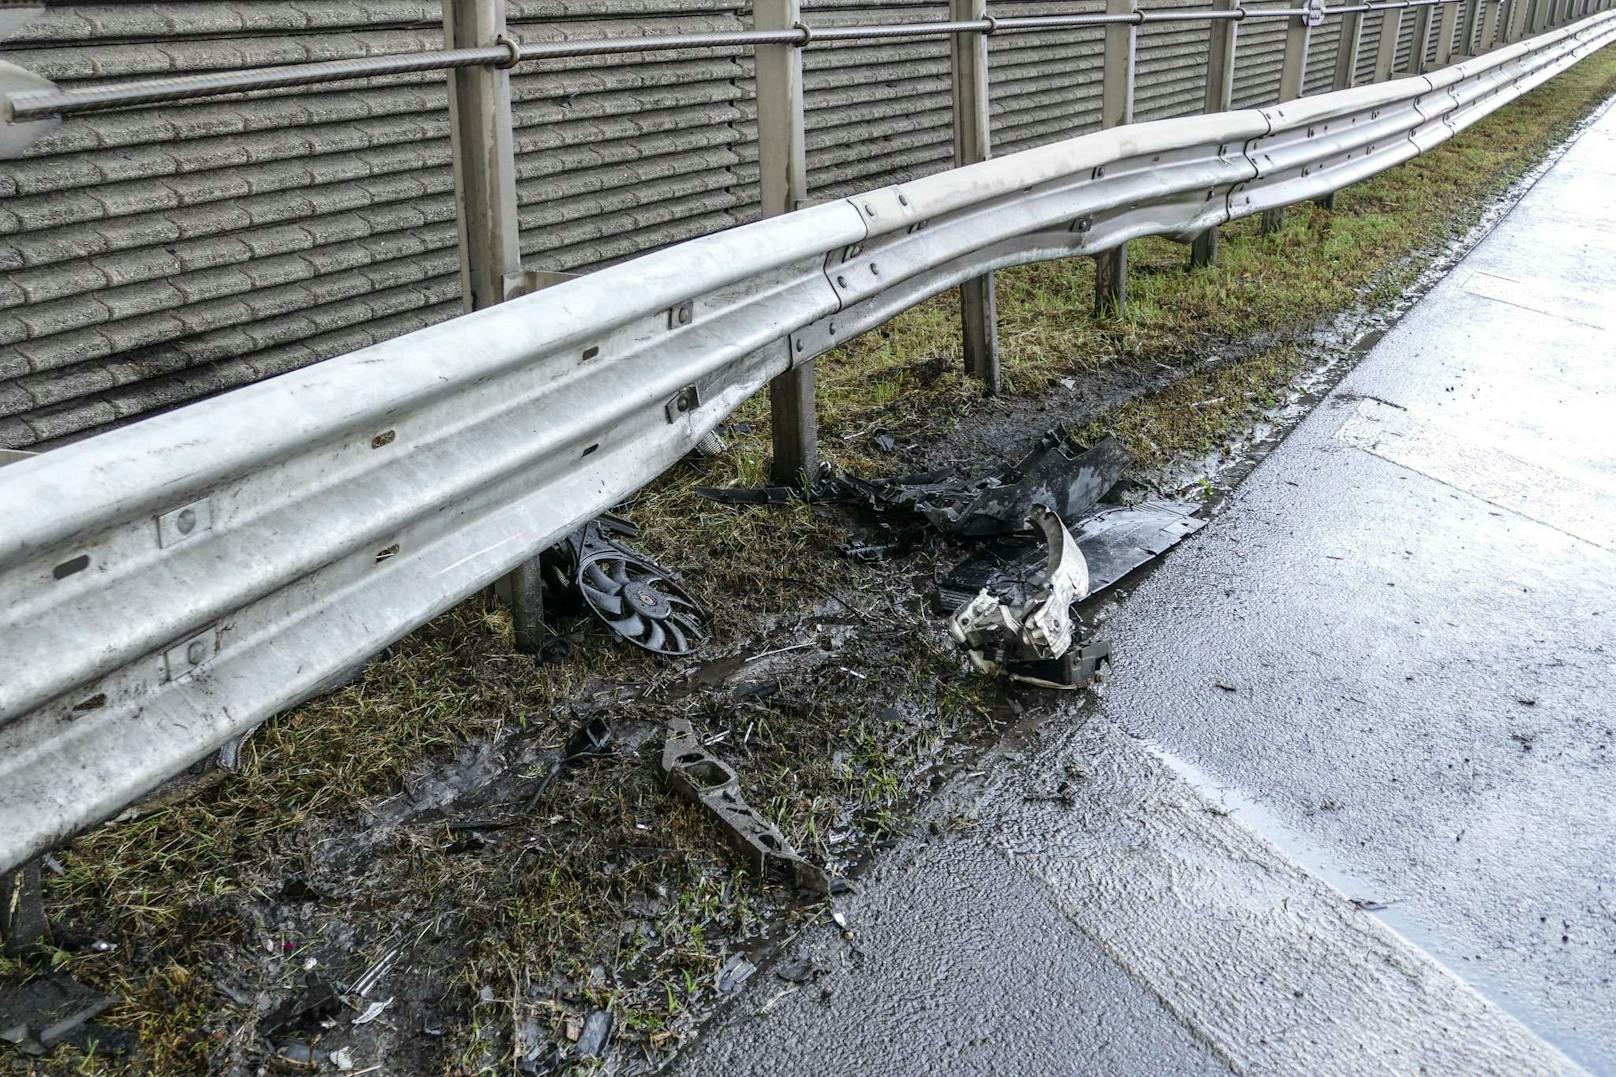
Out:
{"x": 680, "y": 643}
{"x": 656, "y": 637}
{"x": 601, "y": 600}
{"x": 597, "y": 578}
{"x": 688, "y": 623}
{"x": 632, "y": 626}
{"x": 619, "y": 572}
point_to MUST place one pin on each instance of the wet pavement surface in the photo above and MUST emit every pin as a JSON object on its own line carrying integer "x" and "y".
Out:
{"x": 1345, "y": 803}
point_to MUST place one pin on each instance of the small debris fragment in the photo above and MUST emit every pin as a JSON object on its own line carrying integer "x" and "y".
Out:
{"x": 701, "y": 778}
{"x": 597, "y": 1033}
{"x": 735, "y": 972}
{"x": 1225, "y": 685}
{"x": 798, "y": 970}
{"x": 373, "y": 1011}
{"x": 317, "y": 1001}
{"x": 1371, "y": 905}
{"x": 342, "y": 1059}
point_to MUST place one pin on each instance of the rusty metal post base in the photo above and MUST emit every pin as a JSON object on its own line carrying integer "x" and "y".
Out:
{"x": 22, "y": 910}
{"x": 1272, "y": 221}
{"x": 1204, "y": 249}
{"x": 1111, "y": 280}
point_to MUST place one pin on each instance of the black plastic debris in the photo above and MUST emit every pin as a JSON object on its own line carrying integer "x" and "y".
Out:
{"x": 701, "y": 778}
{"x": 592, "y": 738}
{"x": 39, "y": 1014}
{"x": 1114, "y": 541}
{"x": 798, "y": 970}
{"x": 638, "y": 600}
{"x": 1054, "y": 474}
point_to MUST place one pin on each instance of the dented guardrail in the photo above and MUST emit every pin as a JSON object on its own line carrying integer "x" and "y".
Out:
{"x": 173, "y": 583}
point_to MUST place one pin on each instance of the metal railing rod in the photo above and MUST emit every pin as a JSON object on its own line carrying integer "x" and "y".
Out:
{"x": 39, "y": 104}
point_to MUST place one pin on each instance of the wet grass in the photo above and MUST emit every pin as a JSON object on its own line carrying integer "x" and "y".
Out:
{"x": 611, "y": 894}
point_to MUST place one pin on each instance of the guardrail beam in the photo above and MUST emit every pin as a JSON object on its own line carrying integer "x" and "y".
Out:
{"x": 783, "y": 187}
{"x": 1116, "y": 108}
{"x": 973, "y": 142}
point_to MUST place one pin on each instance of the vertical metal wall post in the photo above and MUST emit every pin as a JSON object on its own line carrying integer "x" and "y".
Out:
{"x": 1542, "y": 10}
{"x": 484, "y": 146}
{"x": 1391, "y": 21}
{"x": 1292, "y": 79}
{"x": 1420, "y": 44}
{"x": 1470, "y": 24}
{"x": 1116, "y": 108}
{"x": 973, "y": 142}
{"x": 783, "y": 187}
{"x": 1447, "y": 27}
{"x": 1347, "y": 50}
{"x": 1489, "y": 26}
{"x": 1220, "y": 46}
{"x": 1515, "y": 25}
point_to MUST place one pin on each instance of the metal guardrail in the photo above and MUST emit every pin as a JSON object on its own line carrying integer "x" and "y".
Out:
{"x": 171, "y": 584}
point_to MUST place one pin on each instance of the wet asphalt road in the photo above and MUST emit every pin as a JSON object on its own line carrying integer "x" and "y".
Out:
{"x": 1387, "y": 673}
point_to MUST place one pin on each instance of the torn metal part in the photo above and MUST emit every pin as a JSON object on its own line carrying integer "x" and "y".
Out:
{"x": 41, "y": 1013}
{"x": 632, "y": 595}
{"x": 701, "y": 778}
{"x": 1023, "y": 627}
{"x": 1114, "y": 542}
{"x": 23, "y": 927}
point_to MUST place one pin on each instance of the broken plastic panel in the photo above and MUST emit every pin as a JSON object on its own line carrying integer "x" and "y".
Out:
{"x": 1023, "y": 627}
{"x": 1114, "y": 542}
{"x": 701, "y": 778}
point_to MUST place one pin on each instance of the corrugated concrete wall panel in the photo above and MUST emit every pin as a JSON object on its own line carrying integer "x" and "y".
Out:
{"x": 157, "y": 254}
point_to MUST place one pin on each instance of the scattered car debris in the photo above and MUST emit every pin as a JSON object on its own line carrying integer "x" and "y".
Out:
{"x": 637, "y": 599}
{"x": 596, "y": 1035}
{"x": 1023, "y": 627}
{"x": 799, "y": 970}
{"x": 39, "y": 1014}
{"x": 373, "y": 1011}
{"x": 701, "y": 778}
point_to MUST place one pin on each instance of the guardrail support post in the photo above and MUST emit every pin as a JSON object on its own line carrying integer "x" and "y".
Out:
{"x": 1220, "y": 46}
{"x": 1116, "y": 108}
{"x": 1446, "y": 28}
{"x": 1292, "y": 79}
{"x": 484, "y": 145}
{"x": 973, "y": 142}
{"x": 783, "y": 187}
{"x": 1391, "y": 20}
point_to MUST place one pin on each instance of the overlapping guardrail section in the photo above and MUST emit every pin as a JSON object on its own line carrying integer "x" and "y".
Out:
{"x": 171, "y": 584}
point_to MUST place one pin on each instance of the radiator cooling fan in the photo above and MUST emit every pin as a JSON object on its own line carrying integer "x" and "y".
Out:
{"x": 634, "y": 596}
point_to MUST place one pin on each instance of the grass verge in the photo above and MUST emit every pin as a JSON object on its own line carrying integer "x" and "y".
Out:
{"x": 338, "y": 839}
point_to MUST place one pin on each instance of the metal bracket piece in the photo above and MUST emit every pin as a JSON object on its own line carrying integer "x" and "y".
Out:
{"x": 528, "y": 281}
{"x": 1313, "y": 13}
{"x": 701, "y": 778}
